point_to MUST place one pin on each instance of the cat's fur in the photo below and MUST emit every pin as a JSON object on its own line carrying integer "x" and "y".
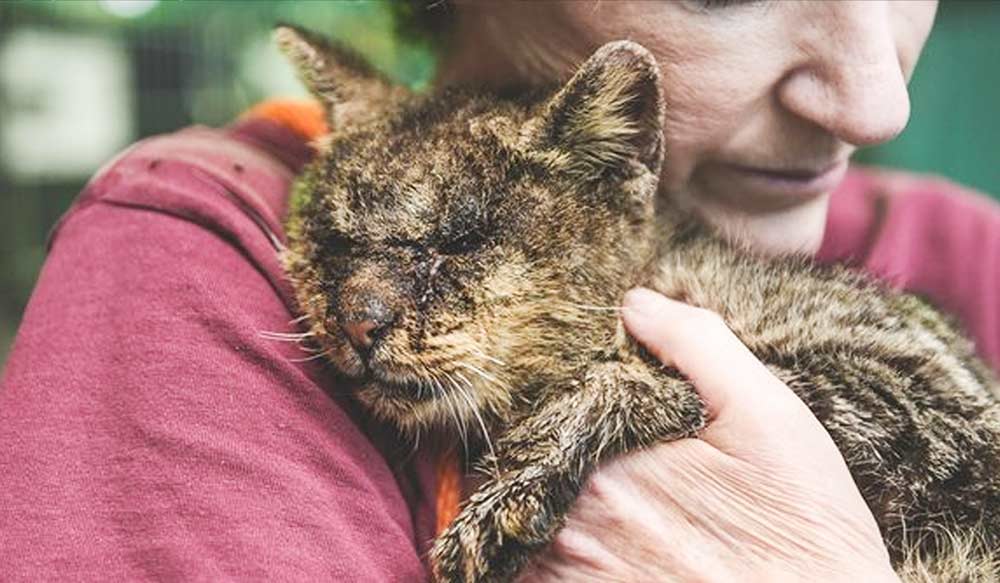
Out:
{"x": 478, "y": 238}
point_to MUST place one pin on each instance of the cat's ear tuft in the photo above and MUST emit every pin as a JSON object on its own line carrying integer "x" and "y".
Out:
{"x": 608, "y": 114}
{"x": 349, "y": 88}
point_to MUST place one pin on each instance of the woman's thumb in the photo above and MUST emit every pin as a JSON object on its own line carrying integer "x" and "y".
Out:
{"x": 741, "y": 394}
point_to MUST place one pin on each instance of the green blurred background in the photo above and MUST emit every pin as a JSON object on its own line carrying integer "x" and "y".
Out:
{"x": 82, "y": 79}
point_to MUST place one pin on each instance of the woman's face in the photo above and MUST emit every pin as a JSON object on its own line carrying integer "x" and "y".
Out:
{"x": 767, "y": 99}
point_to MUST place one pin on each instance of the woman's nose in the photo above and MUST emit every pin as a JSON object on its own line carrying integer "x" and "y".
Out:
{"x": 850, "y": 81}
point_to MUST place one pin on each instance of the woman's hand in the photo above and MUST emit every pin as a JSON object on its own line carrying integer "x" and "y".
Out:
{"x": 763, "y": 495}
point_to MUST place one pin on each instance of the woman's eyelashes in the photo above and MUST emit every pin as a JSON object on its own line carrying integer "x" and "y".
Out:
{"x": 706, "y": 5}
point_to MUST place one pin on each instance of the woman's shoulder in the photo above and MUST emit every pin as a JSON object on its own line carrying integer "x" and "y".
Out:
{"x": 232, "y": 182}
{"x": 926, "y": 235}
{"x": 251, "y": 163}
{"x": 156, "y": 356}
{"x": 871, "y": 200}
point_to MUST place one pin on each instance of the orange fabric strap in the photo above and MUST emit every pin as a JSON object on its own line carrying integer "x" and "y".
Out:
{"x": 449, "y": 490}
{"x": 303, "y": 116}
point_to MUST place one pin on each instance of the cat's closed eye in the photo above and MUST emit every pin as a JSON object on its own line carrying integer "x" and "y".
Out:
{"x": 336, "y": 244}
{"x": 463, "y": 244}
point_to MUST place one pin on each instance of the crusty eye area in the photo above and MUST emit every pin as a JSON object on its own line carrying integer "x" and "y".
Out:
{"x": 469, "y": 242}
{"x": 467, "y": 228}
{"x": 334, "y": 243}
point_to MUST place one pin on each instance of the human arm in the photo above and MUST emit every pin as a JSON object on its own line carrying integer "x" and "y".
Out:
{"x": 148, "y": 430}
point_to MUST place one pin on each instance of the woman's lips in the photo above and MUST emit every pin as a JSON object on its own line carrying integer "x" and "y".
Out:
{"x": 764, "y": 189}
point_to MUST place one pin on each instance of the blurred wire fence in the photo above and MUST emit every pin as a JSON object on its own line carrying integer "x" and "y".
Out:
{"x": 82, "y": 79}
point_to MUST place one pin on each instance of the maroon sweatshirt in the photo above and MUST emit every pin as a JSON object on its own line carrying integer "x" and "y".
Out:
{"x": 149, "y": 430}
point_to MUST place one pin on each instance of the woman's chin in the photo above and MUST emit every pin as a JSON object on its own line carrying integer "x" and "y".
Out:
{"x": 793, "y": 230}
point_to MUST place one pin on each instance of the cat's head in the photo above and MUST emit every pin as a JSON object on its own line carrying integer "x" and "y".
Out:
{"x": 457, "y": 249}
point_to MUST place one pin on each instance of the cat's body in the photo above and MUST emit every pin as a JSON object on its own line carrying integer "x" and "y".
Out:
{"x": 458, "y": 256}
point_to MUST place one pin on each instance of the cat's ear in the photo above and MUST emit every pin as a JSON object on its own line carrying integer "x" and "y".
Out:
{"x": 350, "y": 90}
{"x": 608, "y": 114}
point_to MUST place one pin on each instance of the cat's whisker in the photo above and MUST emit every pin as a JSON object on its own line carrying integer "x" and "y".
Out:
{"x": 463, "y": 391}
{"x": 435, "y": 387}
{"x": 485, "y": 356}
{"x": 316, "y": 356}
{"x": 469, "y": 385}
{"x": 416, "y": 439}
{"x": 299, "y": 320}
{"x": 463, "y": 430}
{"x": 446, "y": 397}
{"x": 297, "y": 338}
{"x": 277, "y": 339}
{"x": 310, "y": 349}
{"x": 592, "y": 308}
{"x": 285, "y": 336}
{"x": 482, "y": 373}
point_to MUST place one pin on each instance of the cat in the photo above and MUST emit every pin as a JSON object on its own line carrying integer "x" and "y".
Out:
{"x": 453, "y": 253}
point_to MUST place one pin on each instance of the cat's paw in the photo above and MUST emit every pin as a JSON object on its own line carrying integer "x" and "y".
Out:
{"x": 496, "y": 533}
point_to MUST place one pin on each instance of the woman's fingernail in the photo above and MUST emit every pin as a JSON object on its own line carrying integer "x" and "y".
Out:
{"x": 642, "y": 302}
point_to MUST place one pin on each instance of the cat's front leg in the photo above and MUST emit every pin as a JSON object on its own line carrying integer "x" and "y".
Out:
{"x": 543, "y": 461}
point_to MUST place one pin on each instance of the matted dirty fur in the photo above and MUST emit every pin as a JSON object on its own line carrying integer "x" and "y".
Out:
{"x": 459, "y": 257}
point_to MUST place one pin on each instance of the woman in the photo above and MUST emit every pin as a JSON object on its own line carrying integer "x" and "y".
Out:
{"x": 148, "y": 431}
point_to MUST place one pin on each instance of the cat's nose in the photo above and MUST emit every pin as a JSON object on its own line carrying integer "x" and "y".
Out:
{"x": 365, "y": 321}
{"x": 362, "y": 333}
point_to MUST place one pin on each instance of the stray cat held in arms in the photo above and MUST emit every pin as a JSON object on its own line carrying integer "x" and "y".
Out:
{"x": 459, "y": 256}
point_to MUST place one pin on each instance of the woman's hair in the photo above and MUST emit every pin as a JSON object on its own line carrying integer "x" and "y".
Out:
{"x": 494, "y": 42}
{"x": 425, "y": 21}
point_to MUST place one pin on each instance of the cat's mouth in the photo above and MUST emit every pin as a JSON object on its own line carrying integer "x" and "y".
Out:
{"x": 425, "y": 396}
{"x": 411, "y": 389}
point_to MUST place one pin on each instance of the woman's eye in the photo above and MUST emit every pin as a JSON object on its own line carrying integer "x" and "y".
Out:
{"x": 466, "y": 243}
{"x": 712, "y": 4}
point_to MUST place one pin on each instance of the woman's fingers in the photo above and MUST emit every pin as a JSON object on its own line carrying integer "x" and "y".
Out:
{"x": 739, "y": 391}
